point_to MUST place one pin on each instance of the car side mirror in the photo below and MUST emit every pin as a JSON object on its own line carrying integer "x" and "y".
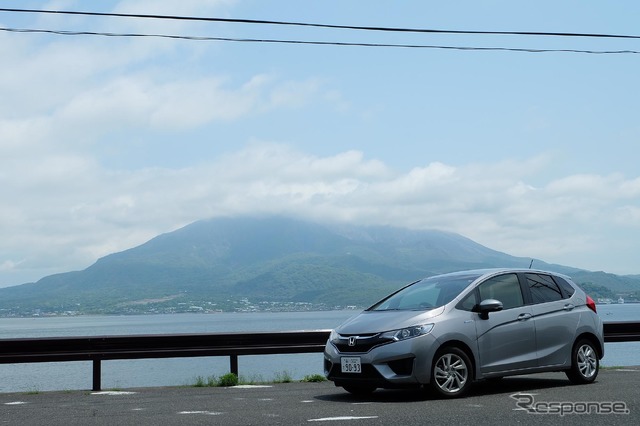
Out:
{"x": 489, "y": 305}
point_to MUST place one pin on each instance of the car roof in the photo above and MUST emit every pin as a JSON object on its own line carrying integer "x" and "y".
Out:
{"x": 493, "y": 271}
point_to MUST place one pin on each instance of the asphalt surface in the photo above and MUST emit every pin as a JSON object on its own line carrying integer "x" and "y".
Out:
{"x": 322, "y": 403}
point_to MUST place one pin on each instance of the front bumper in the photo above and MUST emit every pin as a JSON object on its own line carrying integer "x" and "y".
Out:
{"x": 405, "y": 363}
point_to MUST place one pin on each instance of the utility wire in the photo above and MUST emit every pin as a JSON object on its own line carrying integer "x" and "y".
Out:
{"x": 322, "y": 43}
{"x": 306, "y": 24}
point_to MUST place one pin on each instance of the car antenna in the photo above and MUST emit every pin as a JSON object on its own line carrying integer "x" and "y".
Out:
{"x": 531, "y": 264}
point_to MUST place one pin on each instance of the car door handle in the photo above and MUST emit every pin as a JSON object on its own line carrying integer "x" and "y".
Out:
{"x": 569, "y": 306}
{"x": 523, "y": 317}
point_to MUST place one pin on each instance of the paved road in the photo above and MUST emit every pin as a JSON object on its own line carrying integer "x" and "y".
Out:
{"x": 322, "y": 403}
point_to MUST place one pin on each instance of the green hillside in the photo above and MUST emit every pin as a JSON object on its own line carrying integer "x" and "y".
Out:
{"x": 268, "y": 263}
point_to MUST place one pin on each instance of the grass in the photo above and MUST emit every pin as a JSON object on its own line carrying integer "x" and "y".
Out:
{"x": 314, "y": 378}
{"x": 231, "y": 379}
{"x": 283, "y": 377}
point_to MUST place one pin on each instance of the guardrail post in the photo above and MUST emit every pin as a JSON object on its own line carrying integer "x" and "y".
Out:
{"x": 97, "y": 375}
{"x": 233, "y": 364}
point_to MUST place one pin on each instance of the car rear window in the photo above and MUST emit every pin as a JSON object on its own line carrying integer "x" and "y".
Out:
{"x": 567, "y": 289}
{"x": 543, "y": 288}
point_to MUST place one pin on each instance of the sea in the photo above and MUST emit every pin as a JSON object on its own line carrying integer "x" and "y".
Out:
{"x": 120, "y": 374}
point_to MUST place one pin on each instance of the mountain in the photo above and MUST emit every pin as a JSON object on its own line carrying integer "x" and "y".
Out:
{"x": 264, "y": 263}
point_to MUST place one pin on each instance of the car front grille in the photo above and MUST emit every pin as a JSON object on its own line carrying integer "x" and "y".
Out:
{"x": 346, "y": 343}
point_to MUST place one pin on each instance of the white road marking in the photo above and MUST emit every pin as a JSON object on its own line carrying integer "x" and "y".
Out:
{"x": 331, "y": 419}
{"x": 113, "y": 393}
{"x": 16, "y": 403}
{"x": 208, "y": 413}
{"x": 307, "y": 401}
{"x": 251, "y": 386}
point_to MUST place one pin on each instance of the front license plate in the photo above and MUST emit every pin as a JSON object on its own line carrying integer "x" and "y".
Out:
{"x": 351, "y": 364}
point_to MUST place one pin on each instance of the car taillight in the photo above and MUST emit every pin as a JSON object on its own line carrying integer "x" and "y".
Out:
{"x": 591, "y": 304}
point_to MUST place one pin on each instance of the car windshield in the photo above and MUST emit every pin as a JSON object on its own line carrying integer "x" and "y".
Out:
{"x": 425, "y": 294}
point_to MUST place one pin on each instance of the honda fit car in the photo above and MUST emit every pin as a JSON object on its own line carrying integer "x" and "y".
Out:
{"x": 447, "y": 331}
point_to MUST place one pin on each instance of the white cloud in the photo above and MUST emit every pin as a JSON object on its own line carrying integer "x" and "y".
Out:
{"x": 143, "y": 102}
{"x": 627, "y": 216}
{"x": 102, "y": 211}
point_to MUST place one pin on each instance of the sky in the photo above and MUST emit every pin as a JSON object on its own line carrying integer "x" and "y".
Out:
{"x": 107, "y": 142}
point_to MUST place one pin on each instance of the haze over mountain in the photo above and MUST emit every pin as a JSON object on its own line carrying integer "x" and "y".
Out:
{"x": 230, "y": 263}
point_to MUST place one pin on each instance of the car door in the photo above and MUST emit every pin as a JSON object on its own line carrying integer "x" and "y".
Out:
{"x": 507, "y": 339}
{"x": 555, "y": 318}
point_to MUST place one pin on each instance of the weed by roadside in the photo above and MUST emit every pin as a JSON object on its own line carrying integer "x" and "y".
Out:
{"x": 314, "y": 378}
{"x": 228, "y": 379}
{"x": 231, "y": 379}
{"x": 283, "y": 377}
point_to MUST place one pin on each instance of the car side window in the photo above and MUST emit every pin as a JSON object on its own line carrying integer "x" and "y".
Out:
{"x": 468, "y": 303}
{"x": 505, "y": 288}
{"x": 565, "y": 286}
{"x": 543, "y": 288}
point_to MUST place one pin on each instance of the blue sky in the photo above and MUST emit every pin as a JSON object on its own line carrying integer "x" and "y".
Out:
{"x": 106, "y": 142}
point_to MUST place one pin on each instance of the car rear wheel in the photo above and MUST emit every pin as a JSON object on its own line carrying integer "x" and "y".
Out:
{"x": 584, "y": 363}
{"x": 451, "y": 373}
{"x": 359, "y": 390}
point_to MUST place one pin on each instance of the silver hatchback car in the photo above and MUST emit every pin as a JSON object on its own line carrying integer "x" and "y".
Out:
{"x": 449, "y": 330}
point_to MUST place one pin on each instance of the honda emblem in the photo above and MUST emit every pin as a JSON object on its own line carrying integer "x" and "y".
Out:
{"x": 352, "y": 340}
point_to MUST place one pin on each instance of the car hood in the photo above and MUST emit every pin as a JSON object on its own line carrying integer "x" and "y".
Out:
{"x": 379, "y": 321}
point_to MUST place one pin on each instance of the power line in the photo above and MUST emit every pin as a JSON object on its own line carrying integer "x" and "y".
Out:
{"x": 325, "y": 43}
{"x": 307, "y": 24}
{"x": 307, "y": 42}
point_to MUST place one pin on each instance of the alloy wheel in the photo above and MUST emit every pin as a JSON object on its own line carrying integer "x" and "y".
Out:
{"x": 451, "y": 373}
{"x": 587, "y": 361}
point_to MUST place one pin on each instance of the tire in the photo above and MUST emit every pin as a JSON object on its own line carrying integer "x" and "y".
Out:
{"x": 584, "y": 363}
{"x": 451, "y": 373}
{"x": 359, "y": 390}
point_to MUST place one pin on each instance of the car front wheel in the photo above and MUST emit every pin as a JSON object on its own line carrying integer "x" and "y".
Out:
{"x": 451, "y": 373}
{"x": 584, "y": 363}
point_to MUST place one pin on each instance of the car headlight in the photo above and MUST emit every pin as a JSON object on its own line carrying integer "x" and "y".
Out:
{"x": 409, "y": 332}
{"x": 333, "y": 336}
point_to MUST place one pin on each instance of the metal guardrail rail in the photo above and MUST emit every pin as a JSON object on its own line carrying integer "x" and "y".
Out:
{"x": 100, "y": 348}
{"x": 621, "y": 331}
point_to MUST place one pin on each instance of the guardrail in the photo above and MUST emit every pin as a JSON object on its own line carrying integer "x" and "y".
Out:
{"x": 621, "y": 332}
{"x": 100, "y": 348}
